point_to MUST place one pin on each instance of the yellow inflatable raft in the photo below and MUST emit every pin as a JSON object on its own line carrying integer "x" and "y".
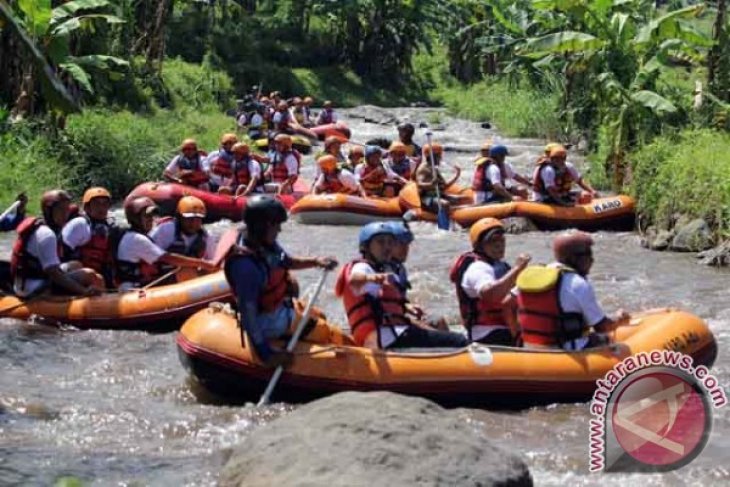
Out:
{"x": 209, "y": 346}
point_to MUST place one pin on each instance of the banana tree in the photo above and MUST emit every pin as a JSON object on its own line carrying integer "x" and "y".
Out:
{"x": 47, "y": 33}
{"x": 620, "y": 47}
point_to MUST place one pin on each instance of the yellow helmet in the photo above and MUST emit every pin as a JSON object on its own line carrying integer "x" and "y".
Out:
{"x": 283, "y": 139}
{"x": 97, "y": 192}
{"x": 398, "y": 147}
{"x": 191, "y": 207}
{"x": 558, "y": 151}
{"x": 550, "y": 147}
{"x": 229, "y": 139}
{"x": 436, "y": 147}
{"x": 189, "y": 144}
{"x": 327, "y": 163}
{"x": 477, "y": 231}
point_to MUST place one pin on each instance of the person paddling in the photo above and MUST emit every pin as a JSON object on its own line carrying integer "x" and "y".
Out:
{"x": 427, "y": 179}
{"x": 258, "y": 271}
{"x": 483, "y": 281}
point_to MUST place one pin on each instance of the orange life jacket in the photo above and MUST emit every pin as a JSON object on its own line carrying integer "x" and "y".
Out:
{"x": 280, "y": 173}
{"x": 366, "y": 313}
{"x": 373, "y": 184}
{"x": 222, "y": 166}
{"x": 563, "y": 180}
{"x": 542, "y": 319}
{"x": 22, "y": 263}
{"x": 332, "y": 184}
{"x": 140, "y": 273}
{"x": 476, "y": 311}
{"x": 277, "y": 290}
{"x": 97, "y": 253}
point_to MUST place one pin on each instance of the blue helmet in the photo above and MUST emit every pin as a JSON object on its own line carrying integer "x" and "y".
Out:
{"x": 372, "y": 229}
{"x": 401, "y": 232}
{"x": 371, "y": 149}
{"x": 498, "y": 150}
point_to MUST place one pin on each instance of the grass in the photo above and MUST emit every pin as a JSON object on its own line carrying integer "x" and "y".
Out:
{"x": 687, "y": 173}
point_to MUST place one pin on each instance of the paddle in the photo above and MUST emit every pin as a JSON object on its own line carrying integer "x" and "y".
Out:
{"x": 10, "y": 210}
{"x": 442, "y": 219}
{"x": 293, "y": 341}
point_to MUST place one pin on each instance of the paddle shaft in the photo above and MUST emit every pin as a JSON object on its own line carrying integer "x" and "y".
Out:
{"x": 10, "y": 209}
{"x": 162, "y": 278}
{"x": 293, "y": 341}
{"x": 440, "y": 214}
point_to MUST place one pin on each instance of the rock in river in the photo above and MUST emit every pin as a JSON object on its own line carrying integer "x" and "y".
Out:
{"x": 377, "y": 438}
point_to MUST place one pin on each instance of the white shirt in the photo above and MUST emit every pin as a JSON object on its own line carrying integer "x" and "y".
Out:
{"x": 387, "y": 337}
{"x": 345, "y": 177}
{"x": 256, "y": 120}
{"x": 76, "y": 233}
{"x": 478, "y": 277}
{"x": 292, "y": 167}
{"x": 254, "y": 169}
{"x": 494, "y": 175}
{"x": 548, "y": 174}
{"x": 135, "y": 247}
{"x": 42, "y": 245}
{"x": 389, "y": 174}
{"x": 164, "y": 235}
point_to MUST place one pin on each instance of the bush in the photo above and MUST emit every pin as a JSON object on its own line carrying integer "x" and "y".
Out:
{"x": 687, "y": 173}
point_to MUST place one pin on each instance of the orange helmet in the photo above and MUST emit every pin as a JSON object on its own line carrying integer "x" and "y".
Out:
{"x": 97, "y": 192}
{"x": 229, "y": 139}
{"x": 283, "y": 139}
{"x": 481, "y": 227}
{"x": 191, "y": 207}
{"x": 332, "y": 139}
{"x": 398, "y": 147}
{"x": 550, "y": 147}
{"x": 189, "y": 144}
{"x": 357, "y": 150}
{"x": 327, "y": 163}
{"x": 437, "y": 149}
{"x": 558, "y": 151}
{"x": 240, "y": 148}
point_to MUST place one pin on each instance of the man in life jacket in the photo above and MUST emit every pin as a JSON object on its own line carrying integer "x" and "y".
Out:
{"x": 240, "y": 176}
{"x": 258, "y": 122}
{"x": 257, "y": 270}
{"x": 307, "y": 109}
{"x": 332, "y": 179}
{"x": 375, "y": 305}
{"x": 405, "y": 135}
{"x": 284, "y": 162}
{"x": 427, "y": 180}
{"x": 354, "y": 156}
{"x": 556, "y": 304}
{"x": 11, "y": 221}
{"x": 553, "y": 180}
{"x": 138, "y": 257}
{"x": 88, "y": 238}
{"x": 327, "y": 115}
{"x": 188, "y": 167}
{"x": 373, "y": 173}
{"x": 332, "y": 147}
{"x": 38, "y": 250}
{"x": 399, "y": 161}
{"x": 483, "y": 281}
{"x": 221, "y": 157}
{"x": 494, "y": 178}
{"x": 184, "y": 233}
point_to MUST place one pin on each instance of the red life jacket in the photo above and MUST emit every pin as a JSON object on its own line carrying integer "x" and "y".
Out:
{"x": 242, "y": 174}
{"x": 97, "y": 252}
{"x": 332, "y": 184}
{"x": 366, "y": 313}
{"x": 22, "y": 263}
{"x": 198, "y": 247}
{"x": 481, "y": 182}
{"x": 476, "y": 311}
{"x": 563, "y": 180}
{"x": 542, "y": 319}
{"x": 280, "y": 173}
{"x": 277, "y": 289}
{"x": 372, "y": 184}
{"x": 140, "y": 273}
{"x": 222, "y": 166}
{"x": 197, "y": 176}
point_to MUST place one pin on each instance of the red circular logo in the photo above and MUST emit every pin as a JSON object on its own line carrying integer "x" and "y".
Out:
{"x": 661, "y": 418}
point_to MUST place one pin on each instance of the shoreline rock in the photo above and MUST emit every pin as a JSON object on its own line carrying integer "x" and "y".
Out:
{"x": 687, "y": 235}
{"x": 377, "y": 438}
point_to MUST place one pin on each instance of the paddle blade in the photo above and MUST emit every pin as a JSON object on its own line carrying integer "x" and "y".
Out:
{"x": 442, "y": 219}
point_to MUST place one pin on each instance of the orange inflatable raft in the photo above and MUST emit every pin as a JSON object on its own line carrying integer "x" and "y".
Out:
{"x": 343, "y": 209}
{"x": 154, "y": 309}
{"x": 610, "y": 213}
{"x": 166, "y": 196}
{"x": 209, "y": 346}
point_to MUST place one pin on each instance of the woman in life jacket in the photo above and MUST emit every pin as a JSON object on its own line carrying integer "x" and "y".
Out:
{"x": 494, "y": 178}
{"x": 427, "y": 180}
{"x": 483, "y": 281}
{"x": 138, "y": 257}
{"x": 36, "y": 261}
{"x": 187, "y": 167}
{"x": 258, "y": 269}
{"x": 553, "y": 181}
{"x": 88, "y": 238}
{"x": 375, "y": 305}
{"x": 283, "y": 169}
{"x": 333, "y": 180}
{"x": 556, "y": 304}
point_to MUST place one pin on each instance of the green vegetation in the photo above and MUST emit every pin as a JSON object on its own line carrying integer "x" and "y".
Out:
{"x": 687, "y": 173}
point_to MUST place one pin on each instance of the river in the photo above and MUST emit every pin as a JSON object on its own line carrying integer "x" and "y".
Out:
{"x": 116, "y": 408}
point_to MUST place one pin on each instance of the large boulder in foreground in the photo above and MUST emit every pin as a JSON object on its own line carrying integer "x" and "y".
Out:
{"x": 378, "y": 438}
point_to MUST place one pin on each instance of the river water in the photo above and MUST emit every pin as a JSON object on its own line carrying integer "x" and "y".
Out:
{"x": 116, "y": 408}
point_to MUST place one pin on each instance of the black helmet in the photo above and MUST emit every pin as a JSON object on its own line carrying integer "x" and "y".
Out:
{"x": 406, "y": 127}
{"x": 261, "y": 209}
